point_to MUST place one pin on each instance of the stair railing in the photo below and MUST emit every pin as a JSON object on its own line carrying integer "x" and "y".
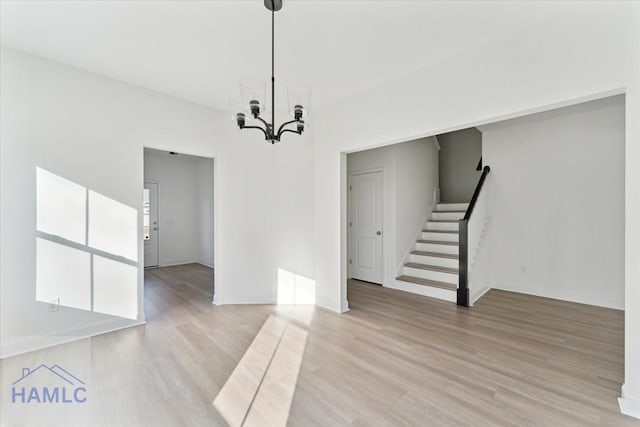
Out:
{"x": 470, "y": 228}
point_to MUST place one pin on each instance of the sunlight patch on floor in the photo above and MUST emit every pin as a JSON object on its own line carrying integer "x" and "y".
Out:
{"x": 260, "y": 389}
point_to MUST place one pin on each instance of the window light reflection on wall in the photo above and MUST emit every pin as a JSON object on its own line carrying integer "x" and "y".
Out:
{"x": 86, "y": 248}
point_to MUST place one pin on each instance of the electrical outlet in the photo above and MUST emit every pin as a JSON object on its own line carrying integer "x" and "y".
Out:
{"x": 54, "y": 305}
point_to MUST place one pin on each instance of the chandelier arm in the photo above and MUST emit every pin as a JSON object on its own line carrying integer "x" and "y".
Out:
{"x": 262, "y": 120}
{"x": 257, "y": 127}
{"x": 280, "y": 129}
{"x": 289, "y": 130}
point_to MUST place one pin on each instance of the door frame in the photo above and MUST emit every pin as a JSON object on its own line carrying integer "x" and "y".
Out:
{"x": 349, "y": 219}
{"x": 159, "y": 214}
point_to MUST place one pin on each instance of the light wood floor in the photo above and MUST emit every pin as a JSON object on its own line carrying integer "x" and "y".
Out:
{"x": 394, "y": 359}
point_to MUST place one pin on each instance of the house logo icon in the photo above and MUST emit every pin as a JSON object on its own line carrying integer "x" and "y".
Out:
{"x": 48, "y": 384}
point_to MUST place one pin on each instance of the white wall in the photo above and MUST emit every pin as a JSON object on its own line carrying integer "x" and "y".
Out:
{"x": 206, "y": 211}
{"x": 410, "y": 178}
{"x": 458, "y": 158}
{"x": 92, "y": 130}
{"x": 557, "y": 203}
{"x": 564, "y": 59}
{"x": 417, "y": 178}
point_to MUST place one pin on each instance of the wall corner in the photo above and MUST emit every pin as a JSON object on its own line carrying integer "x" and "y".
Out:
{"x": 629, "y": 405}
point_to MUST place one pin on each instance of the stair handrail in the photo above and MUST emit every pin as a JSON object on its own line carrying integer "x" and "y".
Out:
{"x": 463, "y": 247}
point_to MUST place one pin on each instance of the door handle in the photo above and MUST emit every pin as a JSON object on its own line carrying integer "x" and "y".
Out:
{"x": 379, "y": 233}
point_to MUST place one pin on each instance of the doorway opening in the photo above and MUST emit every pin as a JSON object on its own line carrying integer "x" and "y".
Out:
{"x": 464, "y": 232}
{"x": 178, "y": 221}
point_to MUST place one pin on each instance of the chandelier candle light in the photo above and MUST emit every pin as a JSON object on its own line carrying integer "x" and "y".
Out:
{"x": 295, "y": 102}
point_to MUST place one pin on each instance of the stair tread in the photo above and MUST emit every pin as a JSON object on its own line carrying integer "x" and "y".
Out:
{"x": 427, "y": 282}
{"x": 438, "y": 242}
{"x": 431, "y": 267}
{"x": 450, "y": 211}
{"x": 443, "y": 220}
{"x": 426, "y": 230}
{"x": 434, "y": 254}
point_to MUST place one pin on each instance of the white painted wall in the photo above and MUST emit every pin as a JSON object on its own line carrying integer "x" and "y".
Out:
{"x": 458, "y": 158}
{"x": 479, "y": 278}
{"x": 565, "y": 59}
{"x": 206, "y": 211}
{"x": 92, "y": 130}
{"x": 557, "y": 202}
{"x": 417, "y": 178}
{"x": 410, "y": 178}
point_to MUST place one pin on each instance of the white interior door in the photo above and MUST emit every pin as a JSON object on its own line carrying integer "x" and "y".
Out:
{"x": 150, "y": 224}
{"x": 366, "y": 192}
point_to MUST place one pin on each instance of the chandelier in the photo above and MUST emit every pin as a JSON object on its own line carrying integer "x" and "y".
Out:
{"x": 255, "y": 96}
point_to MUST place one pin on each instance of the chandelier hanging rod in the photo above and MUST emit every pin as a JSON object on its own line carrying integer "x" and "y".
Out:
{"x": 273, "y": 66}
{"x": 254, "y": 104}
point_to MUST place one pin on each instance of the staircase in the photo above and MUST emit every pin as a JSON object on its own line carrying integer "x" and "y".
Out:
{"x": 432, "y": 267}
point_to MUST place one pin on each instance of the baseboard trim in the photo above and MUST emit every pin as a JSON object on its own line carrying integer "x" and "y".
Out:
{"x": 243, "y": 301}
{"x": 476, "y": 296}
{"x": 503, "y": 287}
{"x": 63, "y": 337}
{"x": 331, "y": 308}
{"x": 205, "y": 264}
{"x": 629, "y": 405}
{"x": 177, "y": 263}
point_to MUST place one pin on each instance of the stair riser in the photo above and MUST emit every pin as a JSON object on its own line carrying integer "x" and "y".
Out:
{"x": 448, "y": 226}
{"x": 432, "y": 247}
{"x": 447, "y": 215}
{"x": 447, "y": 237}
{"x": 431, "y": 275}
{"x": 433, "y": 260}
{"x": 452, "y": 206}
{"x": 428, "y": 291}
